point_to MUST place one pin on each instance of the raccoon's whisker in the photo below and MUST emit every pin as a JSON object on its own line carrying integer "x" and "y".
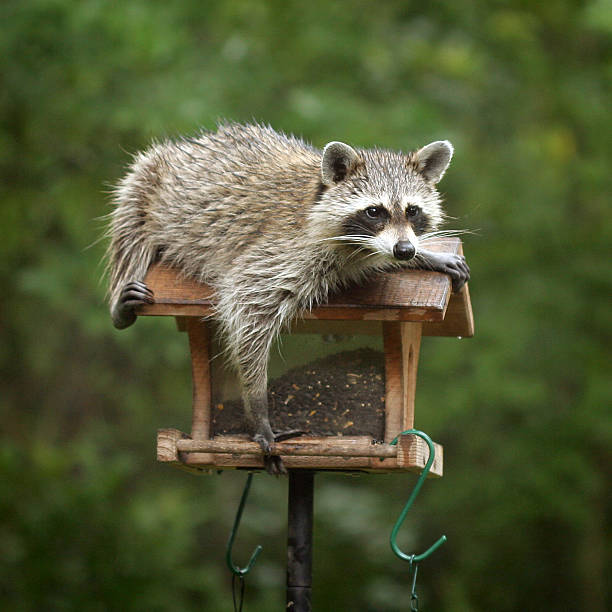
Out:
{"x": 428, "y": 236}
{"x": 347, "y": 238}
{"x": 361, "y": 251}
{"x": 443, "y": 232}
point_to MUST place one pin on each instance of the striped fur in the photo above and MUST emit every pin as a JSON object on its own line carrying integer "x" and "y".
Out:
{"x": 253, "y": 213}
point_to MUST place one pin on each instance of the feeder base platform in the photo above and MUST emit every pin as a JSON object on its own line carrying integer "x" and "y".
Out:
{"x": 359, "y": 453}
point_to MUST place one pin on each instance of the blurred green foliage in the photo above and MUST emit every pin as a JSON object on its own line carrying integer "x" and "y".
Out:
{"x": 89, "y": 521}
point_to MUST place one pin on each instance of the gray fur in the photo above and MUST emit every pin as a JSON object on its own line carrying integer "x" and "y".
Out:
{"x": 259, "y": 216}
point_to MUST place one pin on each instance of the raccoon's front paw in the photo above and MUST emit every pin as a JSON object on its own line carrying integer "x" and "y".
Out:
{"x": 133, "y": 294}
{"x": 457, "y": 268}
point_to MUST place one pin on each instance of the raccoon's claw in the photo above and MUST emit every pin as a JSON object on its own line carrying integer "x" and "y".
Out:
{"x": 453, "y": 265}
{"x": 459, "y": 272}
{"x": 273, "y": 463}
{"x": 447, "y": 263}
{"x": 133, "y": 294}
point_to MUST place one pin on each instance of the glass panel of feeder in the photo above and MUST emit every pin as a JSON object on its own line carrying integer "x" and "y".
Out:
{"x": 325, "y": 378}
{"x": 227, "y": 412}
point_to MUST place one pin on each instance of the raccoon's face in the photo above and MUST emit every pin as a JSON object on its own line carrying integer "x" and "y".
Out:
{"x": 390, "y": 229}
{"x": 380, "y": 201}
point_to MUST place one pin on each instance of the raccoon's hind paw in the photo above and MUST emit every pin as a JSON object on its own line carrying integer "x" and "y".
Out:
{"x": 264, "y": 439}
{"x": 274, "y": 465}
{"x": 133, "y": 294}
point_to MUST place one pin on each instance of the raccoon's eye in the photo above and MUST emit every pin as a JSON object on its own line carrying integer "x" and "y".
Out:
{"x": 412, "y": 211}
{"x": 374, "y": 211}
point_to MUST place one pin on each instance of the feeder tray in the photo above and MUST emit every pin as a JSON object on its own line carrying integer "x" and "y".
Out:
{"x": 398, "y": 307}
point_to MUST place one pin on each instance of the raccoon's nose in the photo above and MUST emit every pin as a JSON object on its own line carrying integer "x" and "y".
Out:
{"x": 404, "y": 249}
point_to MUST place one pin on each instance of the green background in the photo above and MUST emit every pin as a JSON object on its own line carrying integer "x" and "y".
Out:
{"x": 90, "y": 521}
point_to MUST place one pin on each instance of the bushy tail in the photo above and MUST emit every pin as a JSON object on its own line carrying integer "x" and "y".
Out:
{"x": 131, "y": 249}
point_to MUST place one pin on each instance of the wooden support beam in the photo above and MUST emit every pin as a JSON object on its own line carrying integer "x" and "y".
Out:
{"x": 411, "y": 346}
{"x": 200, "y": 371}
{"x": 393, "y": 379}
{"x": 402, "y": 343}
{"x": 199, "y": 345}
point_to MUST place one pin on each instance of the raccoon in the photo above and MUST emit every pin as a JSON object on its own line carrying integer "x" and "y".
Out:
{"x": 273, "y": 225}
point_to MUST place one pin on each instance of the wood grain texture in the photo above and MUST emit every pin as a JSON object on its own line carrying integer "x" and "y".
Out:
{"x": 458, "y": 320}
{"x": 408, "y": 295}
{"x": 167, "y": 451}
{"x": 402, "y": 344}
{"x": 413, "y": 451}
{"x": 200, "y": 372}
{"x": 394, "y": 389}
{"x": 304, "y": 447}
{"x": 410, "y": 334}
{"x": 327, "y": 453}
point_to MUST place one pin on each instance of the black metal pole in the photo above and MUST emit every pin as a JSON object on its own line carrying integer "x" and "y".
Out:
{"x": 299, "y": 540}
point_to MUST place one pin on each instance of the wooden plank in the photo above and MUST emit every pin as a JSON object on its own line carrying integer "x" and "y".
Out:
{"x": 459, "y": 319}
{"x": 408, "y": 295}
{"x": 405, "y": 289}
{"x": 410, "y": 454}
{"x": 319, "y": 447}
{"x": 359, "y": 313}
{"x": 167, "y": 451}
{"x": 290, "y": 462}
{"x": 413, "y": 451}
{"x": 337, "y": 327}
{"x": 373, "y": 465}
{"x": 320, "y": 313}
{"x": 170, "y": 287}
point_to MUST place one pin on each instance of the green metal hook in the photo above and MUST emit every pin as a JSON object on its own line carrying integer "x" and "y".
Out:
{"x": 238, "y": 571}
{"x": 394, "y": 547}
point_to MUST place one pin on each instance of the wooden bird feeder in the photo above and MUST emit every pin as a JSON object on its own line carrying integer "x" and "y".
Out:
{"x": 391, "y": 314}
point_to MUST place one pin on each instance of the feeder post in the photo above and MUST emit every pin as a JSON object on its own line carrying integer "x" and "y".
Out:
{"x": 200, "y": 369}
{"x": 299, "y": 540}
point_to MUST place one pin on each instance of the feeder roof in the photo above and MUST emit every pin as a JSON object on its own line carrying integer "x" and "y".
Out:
{"x": 407, "y": 295}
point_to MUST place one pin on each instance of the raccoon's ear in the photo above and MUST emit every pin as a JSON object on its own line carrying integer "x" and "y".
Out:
{"x": 338, "y": 161}
{"x": 433, "y": 159}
